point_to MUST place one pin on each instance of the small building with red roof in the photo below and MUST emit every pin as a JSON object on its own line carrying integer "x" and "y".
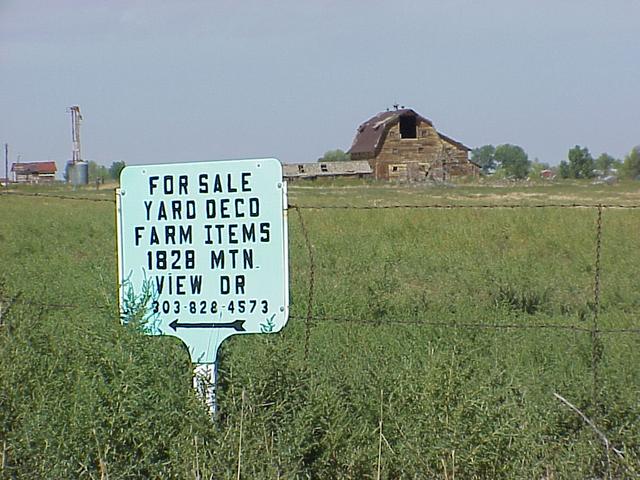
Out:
{"x": 34, "y": 172}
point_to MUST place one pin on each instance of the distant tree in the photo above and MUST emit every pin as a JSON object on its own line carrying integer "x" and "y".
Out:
{"x": 485, "y": 156}
{"x": 115, "y": 169}
{"x": 513, "y": 160}
{"x": 581, "y": 162}
{"x": 97, "y": 172}
{"x": 617, "y": 165}
{"x": 605, "y": 163}
{"x": 335, "y": 156}
{"x": 563, "y": 169}
{"x": 631, "y": 164}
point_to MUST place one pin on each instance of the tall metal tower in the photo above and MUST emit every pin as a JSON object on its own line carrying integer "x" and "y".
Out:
{"x": 77, "y": 169}
{"x": 76, "y": 118}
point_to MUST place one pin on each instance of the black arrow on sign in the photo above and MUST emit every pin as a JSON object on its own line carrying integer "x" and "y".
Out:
{"x": 237, "y": 325}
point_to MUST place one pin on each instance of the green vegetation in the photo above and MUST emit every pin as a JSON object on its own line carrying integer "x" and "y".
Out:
{"x": 485, "y": 157}
{"x": 335, "y": 156}
{"x": 97, "y": 172}
{"x": 536, "y": 167}
{"x": 605, "y": 163}
{"x": 510, "y": 160}
{"x": 631, "y": 165}
{"x": 102, "y": 173}
{"x": 580, "y": 165}
{"x": 115, "y": 169}
{"x": 435, "y": 323}
{"x": 513, "y": 160}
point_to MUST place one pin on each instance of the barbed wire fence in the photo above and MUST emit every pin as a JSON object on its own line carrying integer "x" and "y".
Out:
{"x": 595, "y": 331}
{"x": 309, "y": 320}
{"x": 16, "y": 193}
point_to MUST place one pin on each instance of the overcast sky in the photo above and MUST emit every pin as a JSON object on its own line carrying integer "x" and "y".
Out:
{"x": 186, "y": 80}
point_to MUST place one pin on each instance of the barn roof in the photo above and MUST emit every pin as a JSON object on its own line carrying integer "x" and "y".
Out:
{"x": 325, "y": 169}
{"x": 31, "y": 168}
{"x": 372, "y": 133}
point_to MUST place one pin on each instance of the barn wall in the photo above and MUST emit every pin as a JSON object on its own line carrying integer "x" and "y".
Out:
{"x": 457, "y": 161}
{"x": 411, "y": 158}
{"x": 34, "y": 178}
{"x": 416, "y": 159}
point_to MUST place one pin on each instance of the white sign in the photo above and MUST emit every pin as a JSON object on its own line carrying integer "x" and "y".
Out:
{"x": 202, "y": 250}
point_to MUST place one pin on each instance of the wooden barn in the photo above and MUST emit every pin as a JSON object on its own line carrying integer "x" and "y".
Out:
{"x": 34, "y": 172}
{"x": 402, "y": 145}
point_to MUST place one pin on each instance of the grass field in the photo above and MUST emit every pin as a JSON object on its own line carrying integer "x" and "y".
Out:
{"x": 437, "y": 340}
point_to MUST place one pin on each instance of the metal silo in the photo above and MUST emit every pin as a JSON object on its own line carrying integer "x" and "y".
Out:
{"x": 79, "y": 173}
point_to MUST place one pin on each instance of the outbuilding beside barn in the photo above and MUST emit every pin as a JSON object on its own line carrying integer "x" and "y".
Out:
{"x": 311, "y": 171}
{"x": 34, "y": 172}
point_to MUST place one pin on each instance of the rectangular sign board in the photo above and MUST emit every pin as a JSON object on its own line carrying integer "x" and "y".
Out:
{"x": 202, "y": 250}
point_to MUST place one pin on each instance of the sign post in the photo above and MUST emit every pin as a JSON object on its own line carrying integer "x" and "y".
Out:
{"x": 203, "y": 255}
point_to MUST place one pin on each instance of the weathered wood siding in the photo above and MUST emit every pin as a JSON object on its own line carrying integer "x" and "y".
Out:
{"x": 457, "y": 161}
{"x": 420, "y": 158}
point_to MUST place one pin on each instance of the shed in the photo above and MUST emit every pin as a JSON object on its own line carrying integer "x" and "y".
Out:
{"x": 405, "y": 146}
{"x": 349, "y": 169}
{"x": 34, "y": 172}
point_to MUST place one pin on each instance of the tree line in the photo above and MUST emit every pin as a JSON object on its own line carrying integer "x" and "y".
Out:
{"x": 511, "y": 161}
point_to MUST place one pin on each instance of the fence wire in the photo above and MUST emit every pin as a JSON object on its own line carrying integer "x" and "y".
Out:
{"x": 595, "y": 332}
{"x": 312, "y": 275}
{"x": 444, "y": 206}
{"x": 310, "y": 320}
{"x": 596, "y": 344}
{"x": 435, "y": 206}
{"x": 14, "y": 193}
{"x": 460, "y": 325}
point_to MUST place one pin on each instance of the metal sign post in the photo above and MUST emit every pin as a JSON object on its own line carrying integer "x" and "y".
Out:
{"x": 202, "y": 254}
{"x": 6, "y": 165}
{"x": 205, "y": 383}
